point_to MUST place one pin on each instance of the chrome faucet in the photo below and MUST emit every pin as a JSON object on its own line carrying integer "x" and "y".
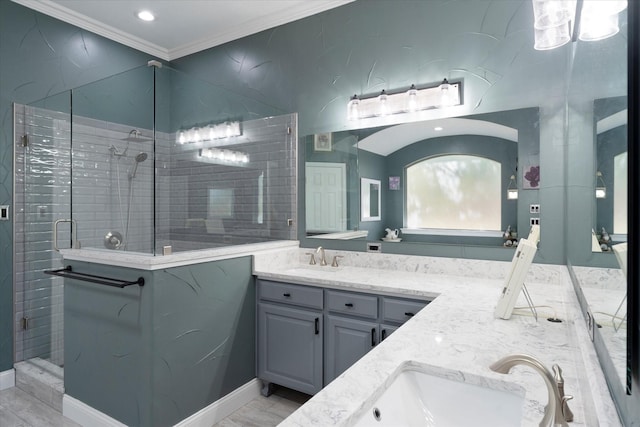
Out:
{"x": 553, "y": 415}
{"x": 322, "y": 259}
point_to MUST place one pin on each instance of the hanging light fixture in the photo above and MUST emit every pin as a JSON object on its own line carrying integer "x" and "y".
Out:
{"x": 601, "y": 188}
{"x": 512, "y": 188}
{"x": 556, "y": 20}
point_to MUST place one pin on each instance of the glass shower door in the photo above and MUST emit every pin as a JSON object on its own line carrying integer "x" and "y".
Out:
{"x": 42, "y": 195}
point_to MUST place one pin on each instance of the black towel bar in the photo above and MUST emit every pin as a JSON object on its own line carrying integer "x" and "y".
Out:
{"x": 70, "y": 274}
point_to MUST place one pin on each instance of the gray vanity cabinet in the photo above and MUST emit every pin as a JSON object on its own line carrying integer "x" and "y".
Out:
{"x": 346, "y": 341}
{"x": 307, "y": 336}
{"x": 290, "y": 327}
{"x": 356, "y": 323}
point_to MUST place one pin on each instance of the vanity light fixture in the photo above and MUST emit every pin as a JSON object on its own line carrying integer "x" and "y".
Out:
{"x": 556, "y": 22}
{"x": 223, "y": 157}
{"x": 601, "y": 188}
{"x": 512, "y": 189}
{"x": 208, "y": 133}
{"x": 412, "y": 100}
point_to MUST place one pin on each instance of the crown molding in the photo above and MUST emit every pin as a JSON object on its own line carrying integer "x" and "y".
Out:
{"x": 251, "y": 27}
{"x": 71, "y": 17}
{"x": 256, "y": 26}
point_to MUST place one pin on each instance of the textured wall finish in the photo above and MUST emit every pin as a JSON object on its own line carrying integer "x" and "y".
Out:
{"x": 40, "y": 56}
{"x": 154, "y": 355}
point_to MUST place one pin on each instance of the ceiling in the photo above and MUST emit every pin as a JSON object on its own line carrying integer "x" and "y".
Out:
{"x": 181, "y": 27}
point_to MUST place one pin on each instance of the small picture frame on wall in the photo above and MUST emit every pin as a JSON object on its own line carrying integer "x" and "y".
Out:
{"x": 394, "y": 183}
{"x": 322, "y": 142}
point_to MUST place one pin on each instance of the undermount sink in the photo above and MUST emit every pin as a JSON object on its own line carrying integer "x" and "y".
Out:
{"x": 417, "y": 398}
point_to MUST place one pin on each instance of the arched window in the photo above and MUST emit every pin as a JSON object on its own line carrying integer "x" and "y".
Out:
{"x": 458, "y": 192}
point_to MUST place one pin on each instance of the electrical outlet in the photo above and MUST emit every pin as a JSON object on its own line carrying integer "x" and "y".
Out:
{"x": 534, "y": 221}
{"x": 374, "y": 247}
{"x": 534, "y": 208}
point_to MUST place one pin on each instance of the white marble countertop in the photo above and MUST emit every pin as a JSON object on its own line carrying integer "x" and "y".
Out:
{"x": 456, "y": 334}
{"x": 143, "y": 261}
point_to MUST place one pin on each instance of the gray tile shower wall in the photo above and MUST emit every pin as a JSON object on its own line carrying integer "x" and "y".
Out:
{"x": 41, "y": 177}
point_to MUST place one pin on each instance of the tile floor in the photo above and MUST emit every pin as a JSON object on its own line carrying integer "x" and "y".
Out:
{"x": 20, "y": 409}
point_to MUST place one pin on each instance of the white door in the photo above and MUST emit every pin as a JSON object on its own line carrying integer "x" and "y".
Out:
{"x": 326, "y": 197}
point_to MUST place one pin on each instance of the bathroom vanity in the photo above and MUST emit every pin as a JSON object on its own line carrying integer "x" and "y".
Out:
{"x": 455, "y": 337}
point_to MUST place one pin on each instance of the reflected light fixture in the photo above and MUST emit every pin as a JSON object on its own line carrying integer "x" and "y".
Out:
{"x": 512, "y": 189}
{"x": 556, "y": 21}
{"x": 146, "y": 16}
{"x": 210, "y": 132}
{"x": 412, "y": 100}
{"x": 223, "y": 157}
{"x": 601, "y": 188}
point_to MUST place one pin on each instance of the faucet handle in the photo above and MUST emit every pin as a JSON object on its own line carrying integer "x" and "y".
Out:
{"x": 335, "y": 260}
{"x": 312, "y": 261}
{"x": 566, "y": 412}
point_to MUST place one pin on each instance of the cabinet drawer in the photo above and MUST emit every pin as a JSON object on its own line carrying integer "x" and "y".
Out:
{"x": 353, "y": 304}
{"x": 304, "y": 296}
{"x": 399, "y": 310}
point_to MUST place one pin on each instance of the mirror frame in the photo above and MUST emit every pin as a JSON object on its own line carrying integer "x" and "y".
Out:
{"x": 365, "y": 199}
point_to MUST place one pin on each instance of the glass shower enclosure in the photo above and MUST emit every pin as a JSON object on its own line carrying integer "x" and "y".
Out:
{"x": 150, "y": 161}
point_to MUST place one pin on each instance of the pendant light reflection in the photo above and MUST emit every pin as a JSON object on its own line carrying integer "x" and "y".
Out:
{"x": 512, "y": 189}
{"x": 601, "y": 187}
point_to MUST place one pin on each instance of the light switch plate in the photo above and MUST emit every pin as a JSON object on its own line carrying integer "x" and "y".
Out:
{"x": 4, "y": 213}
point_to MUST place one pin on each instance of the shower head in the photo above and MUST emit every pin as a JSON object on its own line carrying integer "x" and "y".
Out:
{"x": 136, "y": 136}
{"x": 140, "y": 157}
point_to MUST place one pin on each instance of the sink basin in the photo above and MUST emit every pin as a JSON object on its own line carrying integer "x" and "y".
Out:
{"x": 417, "y": 398}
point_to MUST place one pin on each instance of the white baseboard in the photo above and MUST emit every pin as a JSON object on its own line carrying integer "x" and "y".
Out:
{"x": 7, "y": 379}
{"x": 222, "y": 408}
{"x": 85, "y": 415}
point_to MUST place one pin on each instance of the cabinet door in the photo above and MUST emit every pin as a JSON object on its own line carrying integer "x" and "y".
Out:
{"x": 386, "y": 330}
{"x": 290, "y": 347}
{"x": 346, "y": 341}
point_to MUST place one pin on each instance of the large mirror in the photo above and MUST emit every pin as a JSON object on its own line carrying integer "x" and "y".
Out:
{"x": 443, "y": 181}
{"x": 597, "y": 185}
{"x": 610, "y": 124}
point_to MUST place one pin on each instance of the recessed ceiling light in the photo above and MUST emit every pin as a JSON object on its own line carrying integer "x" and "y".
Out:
{"x": 145, "y": 15}
{"x": 438, "y": 128}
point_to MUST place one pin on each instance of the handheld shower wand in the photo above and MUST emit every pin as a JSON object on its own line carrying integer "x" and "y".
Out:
{"x": 141, "y": 157}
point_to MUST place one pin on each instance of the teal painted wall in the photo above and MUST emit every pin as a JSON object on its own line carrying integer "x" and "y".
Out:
{"x": 154, "y": 355}
{"x": 41, "y": 56}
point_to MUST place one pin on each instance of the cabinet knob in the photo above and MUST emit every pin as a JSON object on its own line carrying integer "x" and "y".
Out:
{"x": 349, "y": 304}
{"x": 373, "y": 337}
{"x": 286, "y": 295}
{"x": 408, "y": 313}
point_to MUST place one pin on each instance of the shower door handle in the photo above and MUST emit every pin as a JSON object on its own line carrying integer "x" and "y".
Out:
{"x": 73, "y": 233}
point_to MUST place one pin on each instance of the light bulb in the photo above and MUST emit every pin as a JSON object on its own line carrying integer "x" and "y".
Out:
{"x": 181, "y": 138}
{"x": 353, "y": 107}
{"x": 382, "y": 100}
{"x": 412, "y": 99}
